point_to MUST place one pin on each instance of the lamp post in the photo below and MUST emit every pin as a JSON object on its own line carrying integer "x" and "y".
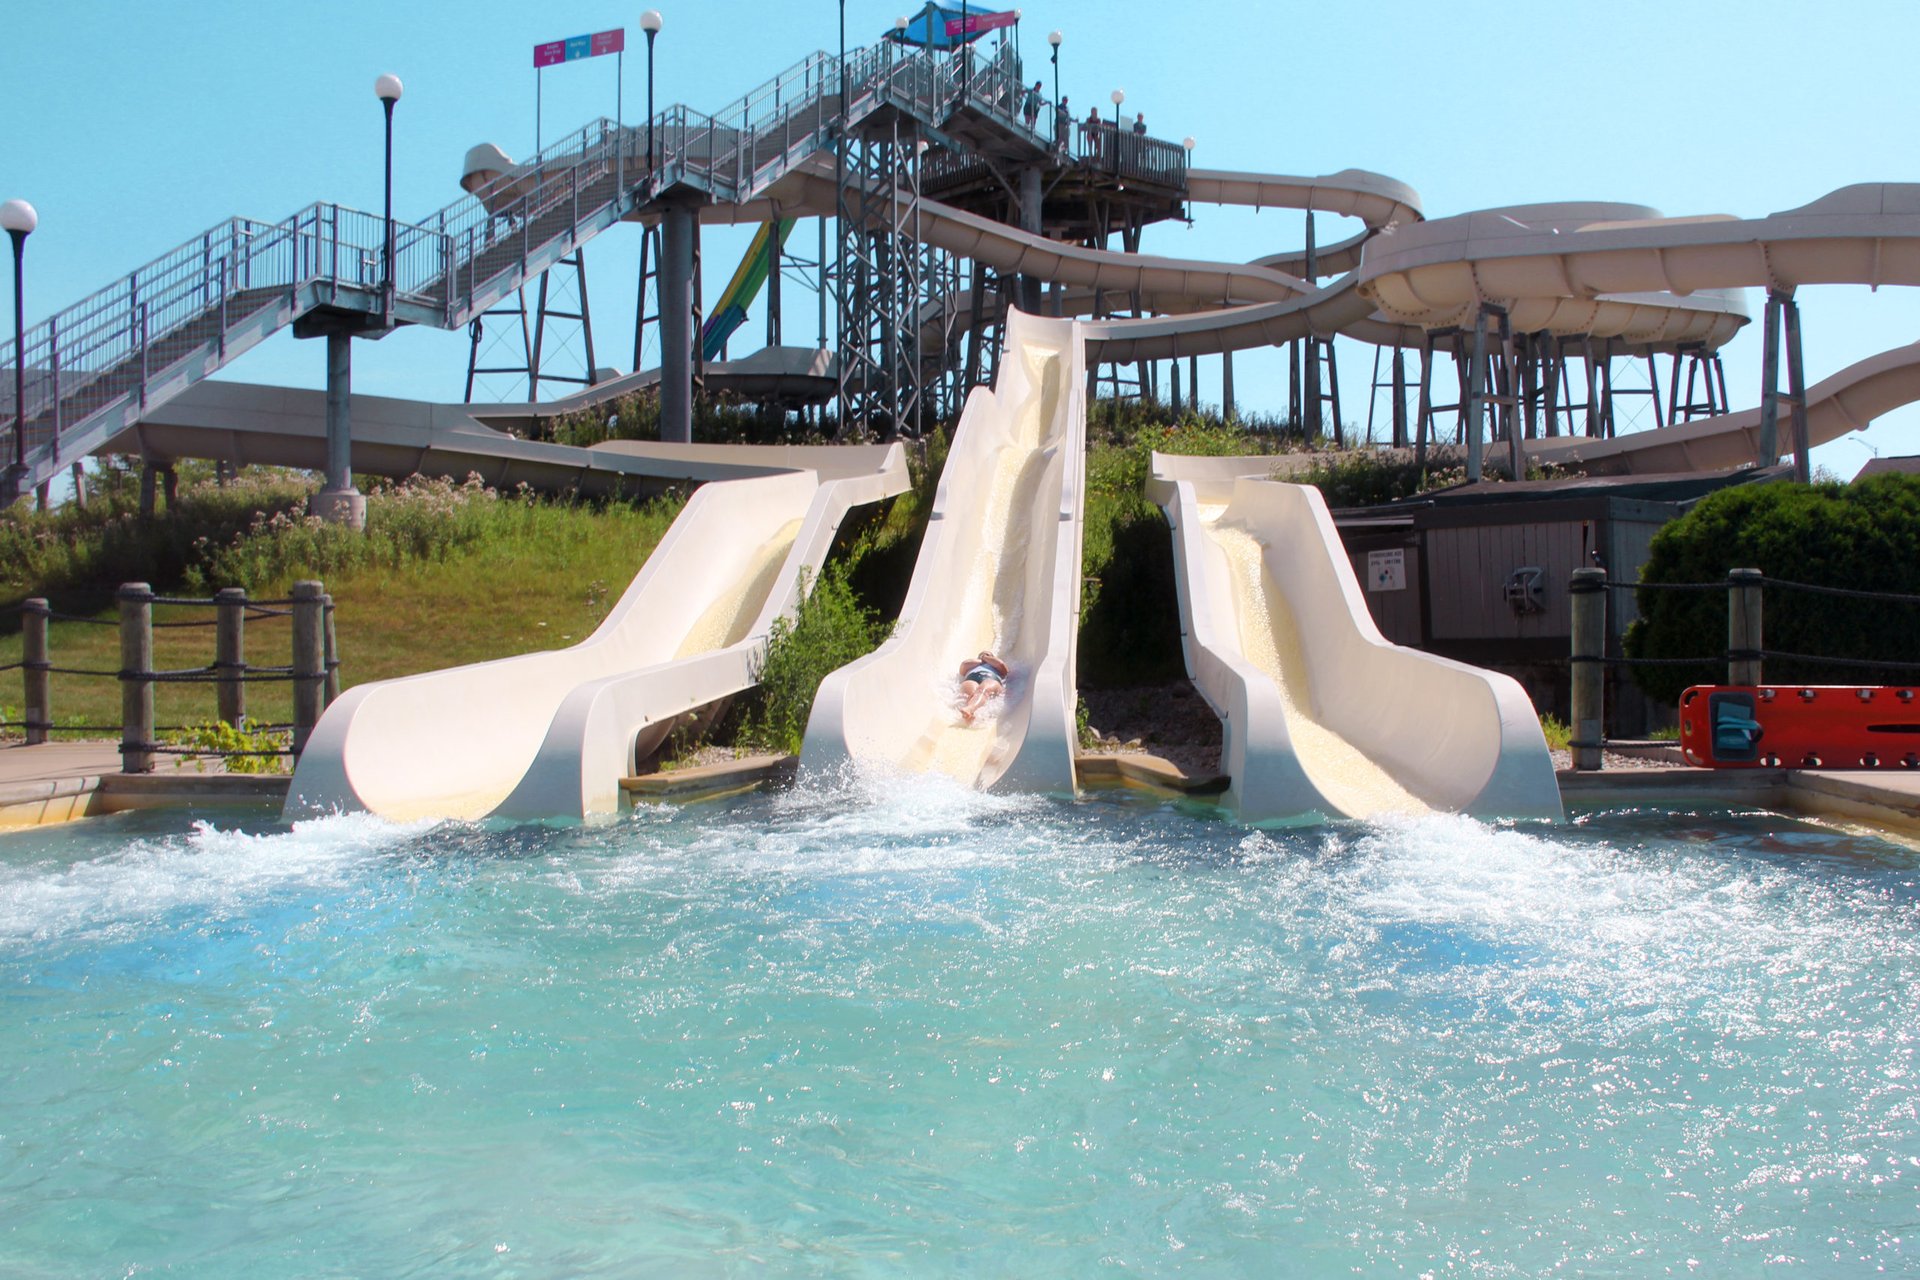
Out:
{"x": 388, "y": 89}
{"x": 19, "y": 218}
{"x": 1055, "y": 37}
{"x": 900, "y": 26}
{"x": 650, "y": 22}
{"x": 1119, "y": 96}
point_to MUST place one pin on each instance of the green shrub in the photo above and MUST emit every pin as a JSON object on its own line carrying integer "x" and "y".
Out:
{"x": 108, "y": 542}
{"x": 1864, "y": 536}
{"x": 1366, "y": 479}
{"x": 1555, "y": 730}
{"x": 209, "y": 739}
{"x": 717, "y": 419}
{"x": 830, "y": 629}
{"x": 1129, "y": 614}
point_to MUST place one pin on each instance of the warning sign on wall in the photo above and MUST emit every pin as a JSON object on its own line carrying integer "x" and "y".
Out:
{"x": 1387, "y": 570}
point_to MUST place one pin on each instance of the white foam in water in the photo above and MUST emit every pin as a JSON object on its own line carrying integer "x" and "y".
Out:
{"x": 209, "y": 869}
{"x": 856, "y": 821}
{"x": 1603, "y": 919}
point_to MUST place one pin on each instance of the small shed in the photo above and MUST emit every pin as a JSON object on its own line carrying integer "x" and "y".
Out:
{"x": 1479, "y": 572}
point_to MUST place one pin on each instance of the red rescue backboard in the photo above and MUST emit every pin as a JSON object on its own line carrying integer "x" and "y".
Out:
{"x": 1800, "y": 727}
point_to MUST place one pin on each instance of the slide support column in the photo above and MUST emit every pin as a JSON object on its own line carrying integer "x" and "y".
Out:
{"x": 680, "y": 226}
{"x": 339, "y": 502}
{"x": 1031, "y": 198}
{"x": 1797, "y": 395}
{"x": 1768, "y": 452}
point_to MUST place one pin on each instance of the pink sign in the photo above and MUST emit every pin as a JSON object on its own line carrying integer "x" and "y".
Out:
{"x": 546, "y": 55}
{"x": 975, "y": 23}
{"x": 614, "y": 41}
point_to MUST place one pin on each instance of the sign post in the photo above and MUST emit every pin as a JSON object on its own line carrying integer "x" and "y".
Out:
{"x": 572, "y": 49}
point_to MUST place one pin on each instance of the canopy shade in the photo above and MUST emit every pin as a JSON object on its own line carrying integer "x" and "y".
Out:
{"x": 928, "y": 28}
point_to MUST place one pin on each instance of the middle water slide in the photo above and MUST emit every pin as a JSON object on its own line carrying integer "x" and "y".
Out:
{"x": 999, "y": 569}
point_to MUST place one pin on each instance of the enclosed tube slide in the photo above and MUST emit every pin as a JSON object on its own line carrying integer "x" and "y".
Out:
{"x": 1323, "y": 718}
{"x": 999, "y": 570}
{"x": 549, "y": 734}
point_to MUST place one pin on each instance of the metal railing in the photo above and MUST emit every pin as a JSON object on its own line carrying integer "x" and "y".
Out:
{"x": 112, "y": 346}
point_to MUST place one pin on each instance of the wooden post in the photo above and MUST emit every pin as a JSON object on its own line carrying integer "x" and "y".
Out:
{"x": 309, "y": 659}
{"x": 1588, "y": 595}
{"x": 1743, "y": 626}
{"x": 34, "y": 664}
{"x": 230, "y": 653}
{"x": 332, "y": 652}
{"x": 136, "y": 677}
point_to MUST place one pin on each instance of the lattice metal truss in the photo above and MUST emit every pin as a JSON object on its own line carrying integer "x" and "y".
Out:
{"x": 882, "y": 285}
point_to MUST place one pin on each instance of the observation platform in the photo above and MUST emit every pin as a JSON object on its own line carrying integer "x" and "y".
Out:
{"x": 1091, "y": 186}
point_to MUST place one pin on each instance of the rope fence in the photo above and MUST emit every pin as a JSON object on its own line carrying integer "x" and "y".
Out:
{"x": 313, "y": 672}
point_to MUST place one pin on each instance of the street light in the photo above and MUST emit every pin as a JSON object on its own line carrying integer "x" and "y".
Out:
{"x": 19, "y": 218}
{"x": 650, "y": 22}
{"x": 388, "y": 89}
{"x": 1119, "y": 96}
{"x": 1054, "y": 38}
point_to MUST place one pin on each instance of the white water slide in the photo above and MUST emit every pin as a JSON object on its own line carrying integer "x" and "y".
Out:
{"x": 999, "y": 569}
{"x": 1322, "y": 716}
{"x": 550, "y": 734}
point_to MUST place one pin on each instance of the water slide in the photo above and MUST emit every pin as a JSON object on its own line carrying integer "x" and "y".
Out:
{"x": 550, "y": 734}
{"x": 748, "y": 279}
{"x": 999, "y": 569}
{"x": 1322, "y": 717}
{"x": 247, "y": 423}
{"x": 1846, "y": 401}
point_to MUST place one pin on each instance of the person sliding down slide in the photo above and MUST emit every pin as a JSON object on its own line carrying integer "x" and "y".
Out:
{"x": 981, "y": 679}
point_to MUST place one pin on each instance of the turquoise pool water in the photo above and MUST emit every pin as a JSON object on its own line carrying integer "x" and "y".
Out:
{"x": 926, "y": 1032}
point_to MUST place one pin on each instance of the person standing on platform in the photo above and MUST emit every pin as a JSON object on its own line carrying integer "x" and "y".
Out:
{"x": 1030, "y": 107}
{"x": 1062, "y": 126}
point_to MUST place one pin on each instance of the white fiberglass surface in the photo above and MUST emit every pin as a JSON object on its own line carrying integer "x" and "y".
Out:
{"x": 1269, "y": 637}
{"x": 731, "y": 616}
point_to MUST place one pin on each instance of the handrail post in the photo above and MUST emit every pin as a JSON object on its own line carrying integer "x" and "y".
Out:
{"x": 136, "y": 677}
{"x": 230, "y": 653}
{"x": 331, "y": 655}
{"x": 309, "y": 659}
{"x": 34, "y": 667}
{"x": 1588, "y": 596}
{"x": 1743, "y": 626}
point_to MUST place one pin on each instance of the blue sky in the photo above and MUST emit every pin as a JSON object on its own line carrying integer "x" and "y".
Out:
{"x": 133, "y": 128}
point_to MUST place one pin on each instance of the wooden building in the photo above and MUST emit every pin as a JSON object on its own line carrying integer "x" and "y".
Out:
{"x": 1480, "y": 572}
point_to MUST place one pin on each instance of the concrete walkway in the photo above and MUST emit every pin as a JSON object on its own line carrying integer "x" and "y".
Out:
{"x": 62, "y": 781}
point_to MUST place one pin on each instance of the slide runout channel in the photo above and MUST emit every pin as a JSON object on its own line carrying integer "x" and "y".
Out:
{"x": 516, "y": 737}
{"x": 1323, "y": 718}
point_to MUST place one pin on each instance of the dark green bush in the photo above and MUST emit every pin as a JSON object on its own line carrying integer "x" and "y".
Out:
{"x": 1864, "y": 536}
{"x": 1129, "y": 614}
{"x": 830, "y": 629}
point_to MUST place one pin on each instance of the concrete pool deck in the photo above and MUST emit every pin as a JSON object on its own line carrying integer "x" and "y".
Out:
{"x": 64, "y": 781}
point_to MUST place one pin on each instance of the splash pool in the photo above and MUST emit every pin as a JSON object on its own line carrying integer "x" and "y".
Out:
{"x": 928, "y": 1031}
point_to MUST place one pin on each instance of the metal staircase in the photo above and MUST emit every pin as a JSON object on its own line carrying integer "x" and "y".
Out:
{"x": 92, "y": 368}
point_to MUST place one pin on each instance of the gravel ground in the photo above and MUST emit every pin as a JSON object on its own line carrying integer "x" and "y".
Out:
{"x": 1171, "y": 721}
